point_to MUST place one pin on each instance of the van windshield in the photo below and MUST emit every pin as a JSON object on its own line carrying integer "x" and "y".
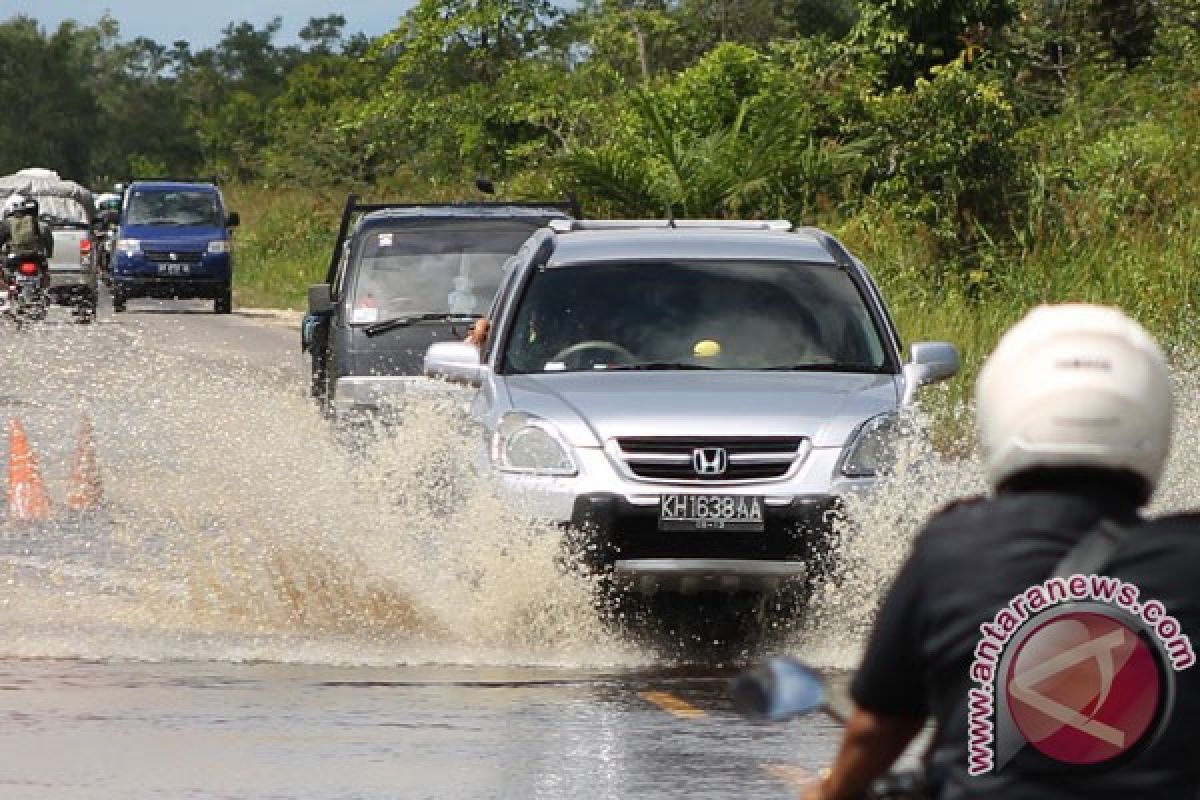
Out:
{"x": 451, "y": 266}
{"x": 158, "y": 207}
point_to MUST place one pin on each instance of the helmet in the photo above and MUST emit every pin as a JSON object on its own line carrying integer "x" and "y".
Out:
{"x": 18, "y": 204}
{"x": 11, "y": 205}
{"x": 1075, "y": 386}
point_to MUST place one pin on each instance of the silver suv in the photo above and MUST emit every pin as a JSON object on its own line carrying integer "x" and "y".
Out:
{"x": 691, "y": 399}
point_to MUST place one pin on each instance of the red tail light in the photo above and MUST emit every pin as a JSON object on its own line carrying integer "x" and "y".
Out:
{"x": 28, "y": 268}
{"x": 85, "y": 246}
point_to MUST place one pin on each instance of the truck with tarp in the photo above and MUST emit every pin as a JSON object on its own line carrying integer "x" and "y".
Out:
{"x": 70, "y": 210}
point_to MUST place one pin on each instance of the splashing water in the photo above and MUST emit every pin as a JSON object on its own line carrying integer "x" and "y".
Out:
{"x": 878, "y": 536}
{"x": 236, "y": 527}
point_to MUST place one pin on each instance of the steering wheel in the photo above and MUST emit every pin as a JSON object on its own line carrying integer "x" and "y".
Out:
{"x": 595, "y": 344}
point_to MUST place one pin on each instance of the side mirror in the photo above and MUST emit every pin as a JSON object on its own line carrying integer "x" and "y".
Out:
{"x": 931, "y": 362}
{"x": 457, "y": 362}
{"x": 320, "y": 300}
{"x": 233, "y": 220}
{"x": 780, "y": 689}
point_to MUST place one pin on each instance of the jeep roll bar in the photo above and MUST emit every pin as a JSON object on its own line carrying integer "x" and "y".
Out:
{"x": 172, "y": 179}
{"x": 570, "y": 206}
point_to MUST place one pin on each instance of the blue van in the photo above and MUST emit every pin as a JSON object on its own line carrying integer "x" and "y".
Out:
{"x": 174, "y": 242}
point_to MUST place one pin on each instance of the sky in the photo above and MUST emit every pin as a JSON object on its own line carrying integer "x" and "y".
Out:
{"x": 200, "y": 22}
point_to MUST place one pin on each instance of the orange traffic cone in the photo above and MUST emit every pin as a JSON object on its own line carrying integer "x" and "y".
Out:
{"x": 86, "y": 489}
{"x": 27, "y": 498}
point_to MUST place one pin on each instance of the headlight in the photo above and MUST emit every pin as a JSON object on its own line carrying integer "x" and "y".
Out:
{"x": 219, "y": 246}
{"x": 528, "y": 444}
{"x": 130, "y": 247}
{"x": 872, "y": 451}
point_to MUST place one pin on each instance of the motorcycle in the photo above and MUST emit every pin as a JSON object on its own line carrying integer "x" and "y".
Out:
{"x": 27, "y": 278}
{"x": 784, "y": 688}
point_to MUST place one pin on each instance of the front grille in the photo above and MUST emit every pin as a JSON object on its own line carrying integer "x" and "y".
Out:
{"x": 675, "y": 459}
{"x": 181, "y": 257}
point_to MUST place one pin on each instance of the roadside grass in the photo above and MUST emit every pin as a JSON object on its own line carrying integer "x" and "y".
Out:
{"x": 1146, "y": 267}
{"x": 287, "y": 234}
{"x": 283, "y": 244}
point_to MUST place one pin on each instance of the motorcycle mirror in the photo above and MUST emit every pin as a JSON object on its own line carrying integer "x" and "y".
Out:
{"x": 779, "y": 689}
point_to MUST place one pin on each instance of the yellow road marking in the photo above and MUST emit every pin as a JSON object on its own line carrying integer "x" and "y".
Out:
{"x": 672, "y": 704}
{"x": 796, "y": 777}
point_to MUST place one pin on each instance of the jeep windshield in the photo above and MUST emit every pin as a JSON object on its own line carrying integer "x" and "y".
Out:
{"x": 433, "y": 269}
{"x": 198, "y": 209}
{"x": 718, "y": 315}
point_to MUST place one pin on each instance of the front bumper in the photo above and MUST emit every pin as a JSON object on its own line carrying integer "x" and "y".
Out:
{"x": 610, "y": 535}
{"x": 77, "y": 279}
{"x": 171, "y": 288}
{"x": 692, "y": 575}
{"x": 363, "y": 394}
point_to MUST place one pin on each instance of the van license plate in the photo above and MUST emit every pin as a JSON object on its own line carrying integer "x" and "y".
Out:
{"x": 710, "y": 512}
{"x": 174, "y": 269}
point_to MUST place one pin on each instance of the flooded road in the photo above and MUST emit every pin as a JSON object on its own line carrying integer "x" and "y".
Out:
{"x": 258, "y": 612}
{"x": 217, "y": 730}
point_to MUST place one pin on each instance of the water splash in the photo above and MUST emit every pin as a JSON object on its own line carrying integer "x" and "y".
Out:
{"x": 238, "y": 526}
{"x": 878, "y": 534}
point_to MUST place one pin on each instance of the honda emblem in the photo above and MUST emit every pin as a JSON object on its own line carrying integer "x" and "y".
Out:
{"x": 710, "y": 460}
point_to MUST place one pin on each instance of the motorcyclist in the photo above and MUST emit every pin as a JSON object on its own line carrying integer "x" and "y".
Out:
{"x": 108, "y": 215}
{"x": 1074, "y": 415}
{"x": 22, "y": 231}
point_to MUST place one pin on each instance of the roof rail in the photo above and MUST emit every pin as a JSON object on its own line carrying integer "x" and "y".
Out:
{"x": 841, "y": 256}
{"x": 569, "y": 225}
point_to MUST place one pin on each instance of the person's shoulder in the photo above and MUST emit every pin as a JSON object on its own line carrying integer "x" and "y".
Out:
{"x": 958, "y": 510}
{"x": 943, "y": 530}
{"x": 1184, "y": 523}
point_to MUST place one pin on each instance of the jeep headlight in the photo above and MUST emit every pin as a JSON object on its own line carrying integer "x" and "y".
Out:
{"x": 531, "y": 445}
{"x": 872, "y": 450}
{"x": 219, "y": 246}
{"x": 130, "y": 247}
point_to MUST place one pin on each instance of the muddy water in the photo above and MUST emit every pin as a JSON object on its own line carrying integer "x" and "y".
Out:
{"x": 258, "y": 611}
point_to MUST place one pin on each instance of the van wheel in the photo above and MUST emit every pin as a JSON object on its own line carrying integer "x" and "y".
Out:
{"x": 223, "y": 304}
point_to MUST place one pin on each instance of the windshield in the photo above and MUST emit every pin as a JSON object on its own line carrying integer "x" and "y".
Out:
{"x": 159, "y": 207}
{"x": 451, "y": 266}
{"x": 747, "y": 315}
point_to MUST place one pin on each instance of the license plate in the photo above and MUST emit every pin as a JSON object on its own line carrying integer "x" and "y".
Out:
{"x": 174, "y": 269}
{"x": 705, "y": 512}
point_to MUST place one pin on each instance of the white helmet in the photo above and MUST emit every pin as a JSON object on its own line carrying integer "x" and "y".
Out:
{"x": 1075, "y": 386}
{"x": 14, "y": 202}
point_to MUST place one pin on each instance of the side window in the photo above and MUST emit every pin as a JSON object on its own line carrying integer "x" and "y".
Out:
{"x": 339, "y": 277}
{"x": 513, "y": 267}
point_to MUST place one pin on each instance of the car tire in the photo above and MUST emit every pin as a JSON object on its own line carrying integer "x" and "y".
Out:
{"x": 85, "y": 309}
{"x": 118, "y": 300}
{"x": 319, "y": 386}
{"x": 223, "y": 303}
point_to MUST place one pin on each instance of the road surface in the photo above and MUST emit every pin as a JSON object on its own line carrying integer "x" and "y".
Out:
{"x": 256, "y": 612}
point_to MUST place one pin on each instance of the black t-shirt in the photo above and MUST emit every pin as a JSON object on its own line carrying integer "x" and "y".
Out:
{"x": 972, "y": 560}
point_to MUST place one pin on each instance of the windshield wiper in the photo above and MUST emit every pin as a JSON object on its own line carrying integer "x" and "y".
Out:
{"x": 651, "y": 365}
{"x": 408, "y": 319}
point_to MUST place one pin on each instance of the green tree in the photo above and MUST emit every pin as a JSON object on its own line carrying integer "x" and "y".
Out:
{"x": 906, "y": 38}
